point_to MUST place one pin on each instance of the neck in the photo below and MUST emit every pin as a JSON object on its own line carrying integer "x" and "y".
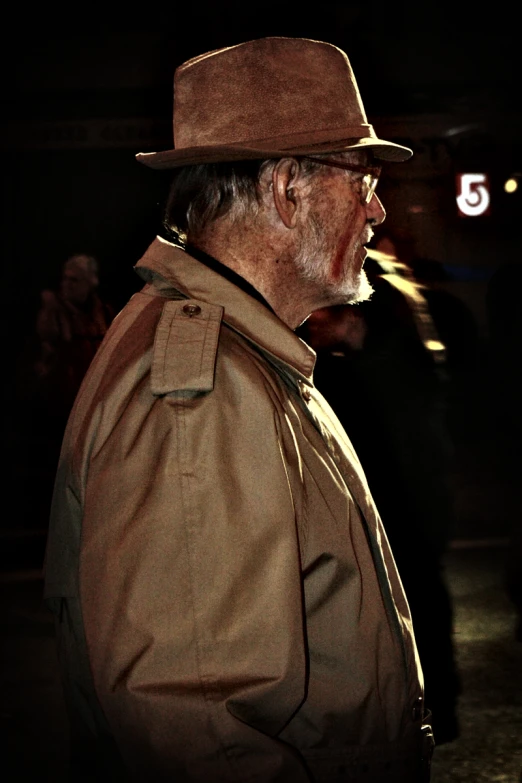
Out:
{"x": 264, "y": 259}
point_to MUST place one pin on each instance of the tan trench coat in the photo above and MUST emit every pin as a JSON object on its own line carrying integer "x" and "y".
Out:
{"x": 227, "y": 604}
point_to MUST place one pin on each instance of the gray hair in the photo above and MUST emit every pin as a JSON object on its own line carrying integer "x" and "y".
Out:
{"x": 203, "y": 193}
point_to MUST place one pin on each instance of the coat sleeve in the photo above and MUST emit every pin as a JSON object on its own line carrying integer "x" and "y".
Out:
{"x": 190, "y": 585}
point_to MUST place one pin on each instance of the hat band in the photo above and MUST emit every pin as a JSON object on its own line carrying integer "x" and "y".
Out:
{"x": 292, "y": 140}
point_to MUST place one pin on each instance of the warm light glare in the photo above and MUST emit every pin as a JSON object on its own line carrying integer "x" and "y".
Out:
{"x": 510, "y": 185}
{"x": 434, "y": 345}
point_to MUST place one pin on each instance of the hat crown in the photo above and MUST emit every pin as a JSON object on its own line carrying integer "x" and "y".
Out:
{"x": 268, "y": 98}
{"x": 263, "y": 90}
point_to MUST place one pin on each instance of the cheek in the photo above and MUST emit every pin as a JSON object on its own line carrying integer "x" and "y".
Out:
{"x": 347, "y": 237}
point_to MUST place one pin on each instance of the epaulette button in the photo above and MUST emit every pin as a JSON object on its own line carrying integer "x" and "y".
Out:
{"x": 191, "y": 309}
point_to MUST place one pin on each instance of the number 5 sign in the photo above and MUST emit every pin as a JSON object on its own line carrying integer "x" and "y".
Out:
{"x": 473, "y": 197}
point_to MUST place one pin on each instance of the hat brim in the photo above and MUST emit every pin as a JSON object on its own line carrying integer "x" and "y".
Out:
{"x": 191, "y": 156}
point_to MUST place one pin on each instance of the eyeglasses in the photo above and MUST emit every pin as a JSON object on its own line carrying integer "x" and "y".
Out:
{"x": 369, "y": 181}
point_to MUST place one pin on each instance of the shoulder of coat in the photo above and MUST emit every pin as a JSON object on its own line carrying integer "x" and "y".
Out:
{"x": 185, "y": 347}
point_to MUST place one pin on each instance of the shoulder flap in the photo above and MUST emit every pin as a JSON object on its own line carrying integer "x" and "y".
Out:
{"x": 185, "y": 346}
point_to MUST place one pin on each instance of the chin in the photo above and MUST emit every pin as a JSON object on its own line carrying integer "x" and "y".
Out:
{"x": 353, "y": 291}
{"x": 365, "y": 289}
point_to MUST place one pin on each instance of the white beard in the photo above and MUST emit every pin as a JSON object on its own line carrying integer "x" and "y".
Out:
{"x": 312, "y": 261}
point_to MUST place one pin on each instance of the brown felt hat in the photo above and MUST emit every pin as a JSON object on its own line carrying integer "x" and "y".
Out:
{"x": 268, "y": 98}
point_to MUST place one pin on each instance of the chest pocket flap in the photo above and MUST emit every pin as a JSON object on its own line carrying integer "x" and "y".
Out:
{"x": 185, "y": 346}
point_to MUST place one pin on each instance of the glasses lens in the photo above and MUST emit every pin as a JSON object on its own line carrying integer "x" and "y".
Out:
{"x": 368, "y": 182}
{"x": 369, "y": 185}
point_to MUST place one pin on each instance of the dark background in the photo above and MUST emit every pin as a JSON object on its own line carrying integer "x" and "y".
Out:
{"x": 75, "y": 83}
{"x": 85, "y": 90}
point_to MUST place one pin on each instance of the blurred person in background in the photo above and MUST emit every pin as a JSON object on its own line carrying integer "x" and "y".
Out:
{"x": 382, "y": 367}
{"x": 70, "y": 325}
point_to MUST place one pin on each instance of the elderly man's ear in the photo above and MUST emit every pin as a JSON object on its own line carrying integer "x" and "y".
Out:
{"x": 286, "y": 192}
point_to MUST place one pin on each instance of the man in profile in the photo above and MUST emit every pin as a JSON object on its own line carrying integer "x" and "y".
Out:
{"x": 228, "y": 608}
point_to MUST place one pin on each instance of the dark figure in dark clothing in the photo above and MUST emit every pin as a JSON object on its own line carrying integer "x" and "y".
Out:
{"x": 381, "y": 367}
{"x": 505, "y": 327}
{"x": 458, "y": 331}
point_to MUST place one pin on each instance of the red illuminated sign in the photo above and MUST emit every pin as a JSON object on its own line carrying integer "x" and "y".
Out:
{"x": 473, "y": 195}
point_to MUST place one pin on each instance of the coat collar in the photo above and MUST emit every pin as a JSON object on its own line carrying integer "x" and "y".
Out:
{"x": 165, "y": 265}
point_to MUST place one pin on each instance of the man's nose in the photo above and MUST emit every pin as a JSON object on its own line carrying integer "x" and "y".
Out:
{"x": 375, "y": 211}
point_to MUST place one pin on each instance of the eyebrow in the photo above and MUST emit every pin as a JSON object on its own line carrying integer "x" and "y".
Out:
{"x": 346, "y": 165}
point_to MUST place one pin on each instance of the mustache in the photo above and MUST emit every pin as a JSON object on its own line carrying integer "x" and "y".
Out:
{"x": 367, "y": 235}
